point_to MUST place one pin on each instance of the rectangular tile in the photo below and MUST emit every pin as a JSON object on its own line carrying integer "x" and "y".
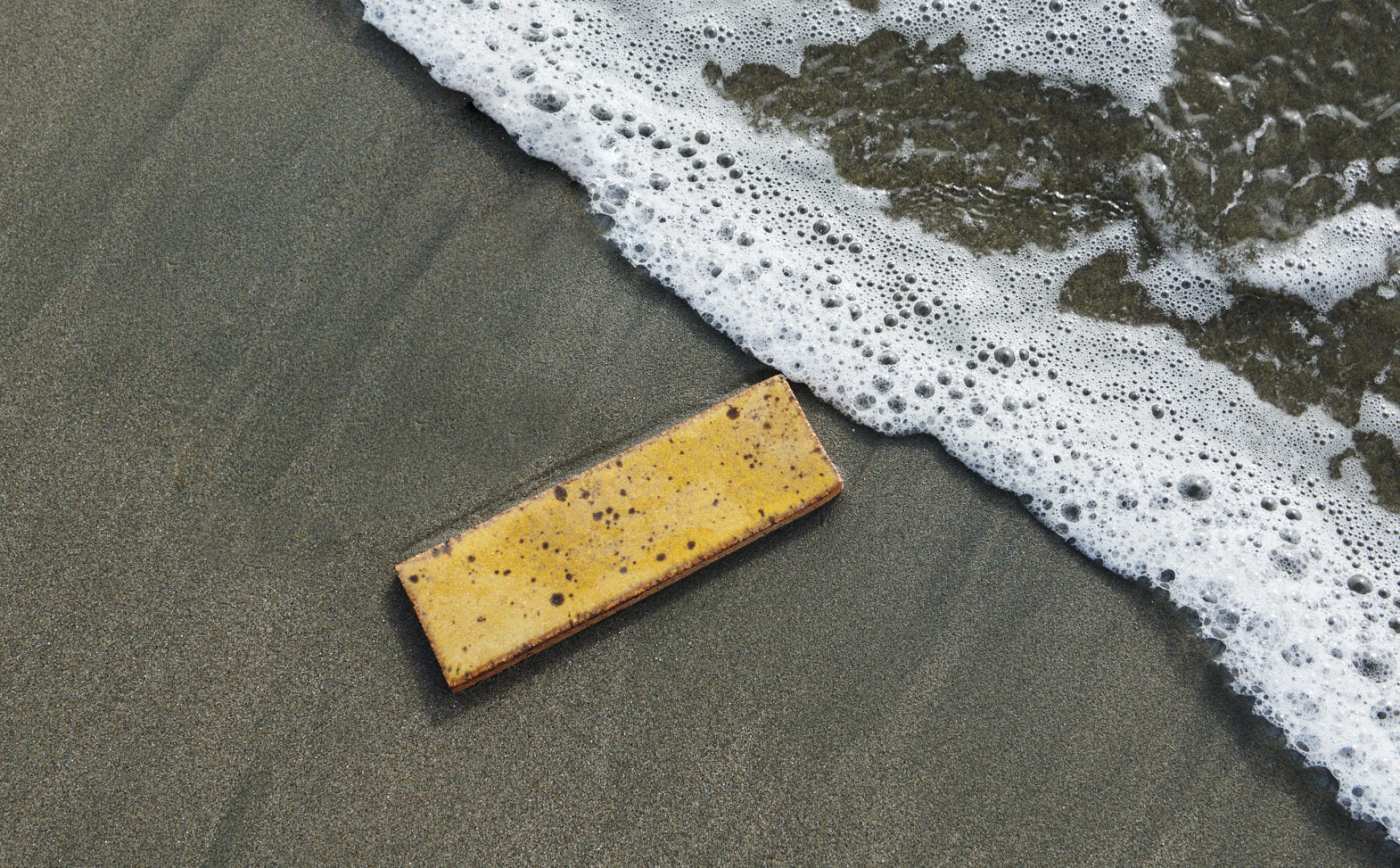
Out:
{"x": 595, "y": 543}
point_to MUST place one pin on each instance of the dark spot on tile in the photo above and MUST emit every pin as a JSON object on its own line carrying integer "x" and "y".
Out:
{"x": 556, "y": 599}
{"x": 732, "y": 412}
{"x": 561, "y": 493}
{"x": 661, "y": 557}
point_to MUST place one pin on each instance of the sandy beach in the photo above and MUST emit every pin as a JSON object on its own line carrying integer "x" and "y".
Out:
{"x": 276, "y": 310}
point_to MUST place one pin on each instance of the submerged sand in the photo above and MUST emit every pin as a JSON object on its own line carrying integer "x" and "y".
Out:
{"x": 274, "y": 310}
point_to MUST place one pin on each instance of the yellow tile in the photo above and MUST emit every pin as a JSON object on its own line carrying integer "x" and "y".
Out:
{"x": 604, "y": 539}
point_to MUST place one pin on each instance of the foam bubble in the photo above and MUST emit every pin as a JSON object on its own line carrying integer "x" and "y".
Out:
{"x": 1122, "y": 438}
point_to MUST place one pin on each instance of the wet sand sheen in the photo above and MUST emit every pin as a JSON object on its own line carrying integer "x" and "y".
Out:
{"x": 252, "y": 356}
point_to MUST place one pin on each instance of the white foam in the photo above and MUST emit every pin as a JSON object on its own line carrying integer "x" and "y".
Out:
{"x": 1327, "y": 263}
{"x": 1123, "y": 439}
{"x": 1186, "y": 283}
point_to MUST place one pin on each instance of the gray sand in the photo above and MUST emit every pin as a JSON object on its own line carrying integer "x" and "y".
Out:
{"x": 274, "y": 309}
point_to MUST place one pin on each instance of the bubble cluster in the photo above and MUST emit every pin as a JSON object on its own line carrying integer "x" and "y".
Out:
{"x": 1162, "y": 464}
{"x": 1333, "y": 259}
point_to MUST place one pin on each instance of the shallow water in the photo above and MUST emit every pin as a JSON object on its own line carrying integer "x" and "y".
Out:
{"x": 1270, "y": 128}
{"x": 1135, "y": 262}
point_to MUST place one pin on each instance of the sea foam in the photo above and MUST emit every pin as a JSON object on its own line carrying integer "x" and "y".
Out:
{"x": 1122, "y": 438}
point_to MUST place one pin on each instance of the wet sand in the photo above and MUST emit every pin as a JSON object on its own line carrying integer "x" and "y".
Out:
{"x": 274, "y": 310}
